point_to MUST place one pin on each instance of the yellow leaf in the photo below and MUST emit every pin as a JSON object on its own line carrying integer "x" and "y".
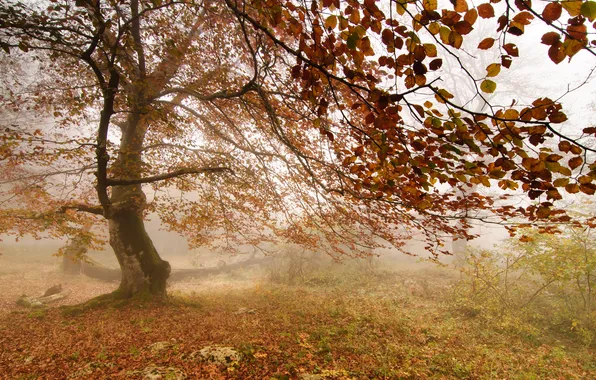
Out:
{"x": 429, "y": 5}
{"x": 493, "y": 69}
{"x": 331, "y": 22}
{"x": 444, "y": 33}
{"x": 430, "y": 50}
{"x": 488, "y": 86}
{"x": 588, "y": 10}
{"x": 401, "y": 7}
{"x": 573, "y": 7}
{"x": 433, "y": 27}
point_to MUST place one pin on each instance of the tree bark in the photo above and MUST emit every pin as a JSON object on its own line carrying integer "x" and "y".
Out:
{"x": 143, "y": 270}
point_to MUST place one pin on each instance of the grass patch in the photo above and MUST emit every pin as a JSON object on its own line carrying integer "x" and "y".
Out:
{"x": 383, "y": 325}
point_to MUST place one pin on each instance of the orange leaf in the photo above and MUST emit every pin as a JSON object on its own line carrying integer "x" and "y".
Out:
{"x": 588, "y": 188}
{"x": 460, "y": 5}
{"x": 575, "y": 162}
{"x": 524, "y": 18}
{"x": 558, "y": 117}
{"x": 572, "y": 188}
{"x": 486, "y": 10}
{"x": 486, "y": 43}
{"x": 471, "y": 16}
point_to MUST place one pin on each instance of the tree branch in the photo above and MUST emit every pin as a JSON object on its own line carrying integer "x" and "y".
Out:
{"x": 97, "y": 210}
{"x": 161, "y": 177}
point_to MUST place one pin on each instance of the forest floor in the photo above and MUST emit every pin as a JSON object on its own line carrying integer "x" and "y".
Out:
{"x": 345, "y": 324}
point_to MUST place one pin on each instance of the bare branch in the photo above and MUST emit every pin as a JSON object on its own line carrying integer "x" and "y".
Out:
{"x": 161, "y": 177}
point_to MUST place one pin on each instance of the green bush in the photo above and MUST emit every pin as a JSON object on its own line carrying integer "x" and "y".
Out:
{"x": 536, "y": 279}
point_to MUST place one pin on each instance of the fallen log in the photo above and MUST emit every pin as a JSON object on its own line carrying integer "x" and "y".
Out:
{"x": 181, "y": 274}
{"x": 95, "y": 270}
{"x": 36, "y": 302}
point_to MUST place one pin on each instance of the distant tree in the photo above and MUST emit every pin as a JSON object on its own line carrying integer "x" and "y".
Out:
{"x": 277, "y": 120}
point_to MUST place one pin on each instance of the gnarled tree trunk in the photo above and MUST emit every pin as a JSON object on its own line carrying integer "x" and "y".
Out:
{"x": 143, "y": 270}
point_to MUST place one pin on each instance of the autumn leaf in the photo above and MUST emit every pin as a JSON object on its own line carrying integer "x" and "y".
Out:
{"x": 558, "y": 117}
{"x": 471, "y": 16}
{"x": 463, "y": 27}
{"x": 429, "y": 5}
{"x": 588, "y": 10}
{"x": 575, "y": 162}
{"x": 506, "y": 61}
{"x": 488, "y": 86}
{"x": 588, "y": 188}
{"x": 511, "y": 49}
{"x": 331, "y": 22}
{"x": 435, "y": 64}
{"x": 352, "y": 40}
{"x": 493, "y": 70}
{"x": 486, "y": 43}
{"x": 486, "y": 10}
{"x": 523, "y": 18}
{"x": 572, "y": 47}
{"x": 550, "y": 38}
{"x": 578, "y": 32}
{"x": 552, "y": 12}
{"x": 555, "y": 53}
{"x": 430, "y": 50}
{"x": 573, "y": 7}
{"x": 564, "y": 146}
{"x": 460, "y": 6}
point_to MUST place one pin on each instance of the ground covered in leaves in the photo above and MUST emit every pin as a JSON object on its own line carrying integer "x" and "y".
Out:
{"x": 344, "y": 325}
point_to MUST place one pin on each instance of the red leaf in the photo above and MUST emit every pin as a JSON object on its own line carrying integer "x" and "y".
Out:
{"x": 578, "y": 32}
{"x": 419, "y": 68}
{"x": 486, "y": 10}
{"x": 511, "y": 49}
{"x": 435, "y": 64}
{"x": 551, "y": 38}
{"x": 564, "y": 146}
{"x": 506, "y": 61}
{"x": 463, "y": 27}
{"x": 552, "y": 12}
{"x": 523, "y": 4}
{"x": 556, "y": 54}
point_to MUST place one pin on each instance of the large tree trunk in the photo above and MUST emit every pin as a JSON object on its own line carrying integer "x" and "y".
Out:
{"x": 143, "y": 271}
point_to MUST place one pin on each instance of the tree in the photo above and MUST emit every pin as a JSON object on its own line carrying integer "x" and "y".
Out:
{"x": 261, "y": 120}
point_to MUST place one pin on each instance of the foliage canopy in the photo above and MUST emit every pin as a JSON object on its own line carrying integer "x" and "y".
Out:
{"x": 325, "y": 123}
